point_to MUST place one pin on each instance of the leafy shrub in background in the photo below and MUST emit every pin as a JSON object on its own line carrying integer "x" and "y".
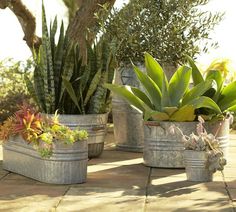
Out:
{"x": 168, "y": 30}
{"x": 13, "y": 90}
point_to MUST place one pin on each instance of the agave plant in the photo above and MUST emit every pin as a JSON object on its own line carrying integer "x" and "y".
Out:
{"x": 163, "y": 100}
{"x": 224, "y": 95}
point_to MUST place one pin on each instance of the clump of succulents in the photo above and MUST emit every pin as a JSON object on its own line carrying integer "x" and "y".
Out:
{"x": 204, "y": 141}
{"x": 41, "y": 131}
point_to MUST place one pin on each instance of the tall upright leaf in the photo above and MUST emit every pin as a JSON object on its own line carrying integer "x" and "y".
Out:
{"x": 196, "y": 74}
{"x": 154, "y": 70}
{"x": 150, "y": 86}
{"x": 178, "y": 84}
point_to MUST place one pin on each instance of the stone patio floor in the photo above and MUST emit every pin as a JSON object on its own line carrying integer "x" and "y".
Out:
{"x": 118, "y": 181}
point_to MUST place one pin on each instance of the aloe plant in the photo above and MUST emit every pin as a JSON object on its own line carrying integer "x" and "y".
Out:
{"x": 163, "y": 100}
{"x": 224, "y": 95}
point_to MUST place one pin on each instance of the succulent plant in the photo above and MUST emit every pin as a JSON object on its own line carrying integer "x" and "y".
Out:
{"x": 206, "y": 142}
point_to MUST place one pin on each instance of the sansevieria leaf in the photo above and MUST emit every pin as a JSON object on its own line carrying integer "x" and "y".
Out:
{"x": 71, "y": 92}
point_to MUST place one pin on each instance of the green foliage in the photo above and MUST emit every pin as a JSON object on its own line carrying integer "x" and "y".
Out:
{"x": 173, "y": 101}
{"x": 39, "y": 130}
{"x": 13, "y": 91}
{"x": 62, "y": 82}
{"x": 223, "y": 94}
{"x": 85, "y": 86}
{"x": 166, "y": 29}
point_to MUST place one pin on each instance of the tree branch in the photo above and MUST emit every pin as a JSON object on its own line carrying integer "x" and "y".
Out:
{"x": 26, "y": 19}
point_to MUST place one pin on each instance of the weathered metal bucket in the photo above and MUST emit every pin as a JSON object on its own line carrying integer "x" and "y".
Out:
{"x": 96, "y": 126}
{"x": 128, "y": 122}
{"x": 67, "y": 165}
{"x": 196, "y": 166}
{"x": 163, "y": 149}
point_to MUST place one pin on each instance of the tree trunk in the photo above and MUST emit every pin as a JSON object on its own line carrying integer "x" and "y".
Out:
{"x": 84, "y": 23}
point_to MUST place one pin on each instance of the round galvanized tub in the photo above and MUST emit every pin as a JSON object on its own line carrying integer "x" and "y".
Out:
{"x": 96, "y": 126}
{"x": 196, "y": 166}
{"x": 128, "y": 126}
{"x": 67, "y": 165}
{"x": 128, "y": 122}
{"x": 163, "y": 149}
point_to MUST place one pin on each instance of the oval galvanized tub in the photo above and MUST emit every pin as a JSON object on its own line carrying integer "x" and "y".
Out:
{"x": 196, "y": 166}
{"x": 67, "y": 165}
{"x": 96, "y": 126}
{"x": 128, "y": 122}
{"x": 162, "y": 149}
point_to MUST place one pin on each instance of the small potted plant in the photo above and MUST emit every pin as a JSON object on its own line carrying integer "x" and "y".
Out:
{"x": 41, "y": 148}
{"x": 202, "y": 155}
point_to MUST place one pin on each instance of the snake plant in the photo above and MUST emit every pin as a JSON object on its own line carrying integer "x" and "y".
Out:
{"x": 60, "y": 80}
{"x": 85, "y": 88}
{"x": 163, "y": 100}
{"x": 223, "y": 94}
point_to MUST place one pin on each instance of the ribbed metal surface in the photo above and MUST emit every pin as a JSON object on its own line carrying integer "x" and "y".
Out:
{"x": 162, "y": 149}
{"x": 128, "y": 126}
{"x": 196, "y": 166}
{"x": 67, "y": 165}
{"x": 128, "y": 122}
{"x": 95, "y": 124}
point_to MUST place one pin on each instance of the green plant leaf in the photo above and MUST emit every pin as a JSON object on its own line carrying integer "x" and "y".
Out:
{"x": 154, "y": 70}
{"x": 170, "y": 110}
{"x": 93, "y": 86}
{"x": 178, "y": 84}
{"x": 71, "y": 92}
{"x": 217, "y": 76}
{"x": 204, "y": 102}
{"x": 159, "y": 116}
{"x": 197, "y": 91}
{"x": 150, "y": 86}
{"x": 185, "y": 113}
{"x": 123, "y": 92}
{"x": 165, "y": 98}
{"x": 141, "y": 95}
{"x": 196, "y": 74}
{"x": 227, "y": 96}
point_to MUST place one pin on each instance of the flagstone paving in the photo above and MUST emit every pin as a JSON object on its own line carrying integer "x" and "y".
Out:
{"x": 118, "y": 181}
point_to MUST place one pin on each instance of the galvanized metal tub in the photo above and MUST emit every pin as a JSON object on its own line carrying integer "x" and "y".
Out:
{"x": 128, "y": 122}
{"x": 163, "y": 149}
{"x": 128, "y": 126}
{"x": 67, "y": 165}
{"x": 96, "y": 126}
{"x": 196, "y": 166}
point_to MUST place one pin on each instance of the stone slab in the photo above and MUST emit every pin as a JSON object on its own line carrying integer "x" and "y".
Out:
{"x": 102, "y": 199}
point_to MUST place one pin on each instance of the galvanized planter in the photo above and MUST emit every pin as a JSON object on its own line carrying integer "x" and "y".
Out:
{"x": 162, "y": 149}
{"x": 96, "y": 126}
{"x": 196, "y": 166}
{"x": 128, "y": 122}
{"x": 67, "y": 165}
